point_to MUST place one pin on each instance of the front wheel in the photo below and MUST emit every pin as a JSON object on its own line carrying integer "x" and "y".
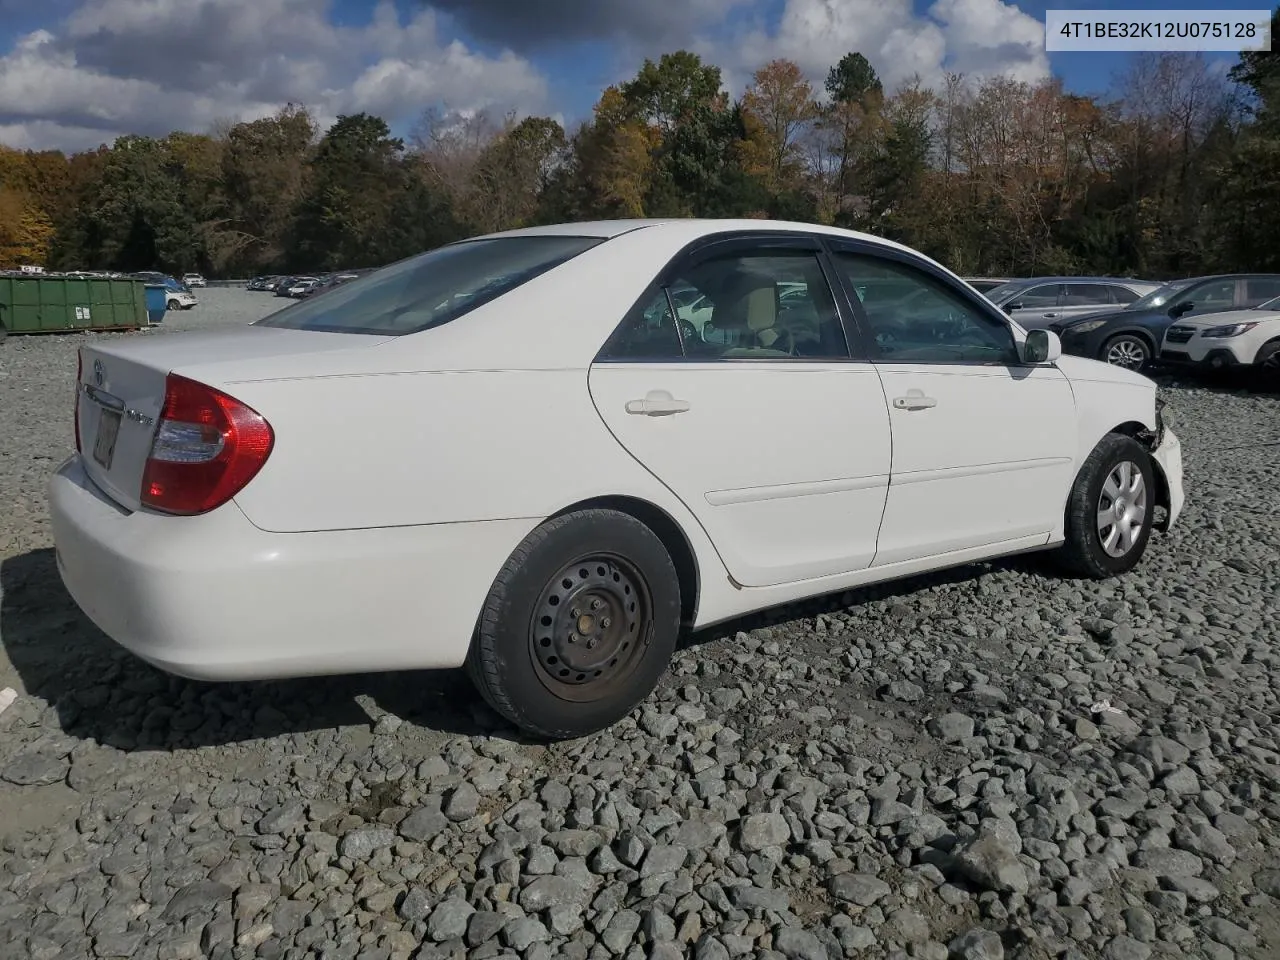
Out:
{"x": 1267, "y": 362}
{"x": 1109, "y": 512}
{"x": 579, "y": 625}
{"x": 172, "y": 305}
{"x": 1127, "y": 350}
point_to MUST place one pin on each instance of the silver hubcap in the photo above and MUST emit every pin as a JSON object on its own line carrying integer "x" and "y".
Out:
{"x": 1127, "y": 353}
{"x": 1122, "y": 509}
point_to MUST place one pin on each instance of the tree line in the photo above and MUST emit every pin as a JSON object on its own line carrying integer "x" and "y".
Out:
{"x": 1177, "y": 173}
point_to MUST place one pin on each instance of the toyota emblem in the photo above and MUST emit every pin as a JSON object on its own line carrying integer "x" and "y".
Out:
{"x": 99, "y": 373}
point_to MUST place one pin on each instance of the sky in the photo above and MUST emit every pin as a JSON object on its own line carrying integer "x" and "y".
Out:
{"x": 78, "y": 73}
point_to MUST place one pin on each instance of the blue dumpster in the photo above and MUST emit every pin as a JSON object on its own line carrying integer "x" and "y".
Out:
{"x": 156, "y": 302}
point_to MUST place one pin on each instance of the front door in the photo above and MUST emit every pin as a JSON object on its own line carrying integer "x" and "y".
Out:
{"x": 757, "y": 416}
{"x": 983, "y": 445}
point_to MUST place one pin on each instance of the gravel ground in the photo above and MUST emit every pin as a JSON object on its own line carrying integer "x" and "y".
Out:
{"x": 925, "y": 770}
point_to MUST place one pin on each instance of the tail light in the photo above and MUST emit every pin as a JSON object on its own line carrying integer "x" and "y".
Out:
{"x": 207, "y": 447}
{"x": 79, "y": 390}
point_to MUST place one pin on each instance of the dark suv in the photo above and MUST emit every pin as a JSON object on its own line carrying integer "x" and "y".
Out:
{"x": 1131, "y": 337}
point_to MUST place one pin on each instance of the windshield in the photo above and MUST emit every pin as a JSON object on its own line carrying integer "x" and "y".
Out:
{"x": 1004, "y": 291}
{"x": 432, "y": 288}
{"x": 1159, "y": 298}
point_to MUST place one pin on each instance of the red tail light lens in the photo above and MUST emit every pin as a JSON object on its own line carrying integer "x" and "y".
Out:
{"x": 207, "y": 447}
{"x": 79, "y": 390}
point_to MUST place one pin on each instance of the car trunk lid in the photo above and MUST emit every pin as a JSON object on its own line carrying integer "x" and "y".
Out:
{"x": 122, "y": 389}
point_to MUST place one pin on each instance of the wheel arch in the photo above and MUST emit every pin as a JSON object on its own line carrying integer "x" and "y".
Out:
{"x": 1149, "y": 440}
{"x": 672, "y": 535}
{"x": 1268, "y": 343}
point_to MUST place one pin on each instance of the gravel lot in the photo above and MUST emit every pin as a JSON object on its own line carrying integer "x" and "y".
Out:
{"x": 922, "y": 770}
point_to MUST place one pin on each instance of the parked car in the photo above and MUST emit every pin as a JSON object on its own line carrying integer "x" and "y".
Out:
{"x": 178, "y": 296}
{"x": 193, "y": 280}
{"x": 1238, "y": 338}
{"x": 282, "y": 285}
{"x": 1037, "y": 302}
{"x": 369, "y": 474}
{"x": 260, "y": 283}
{"x": 1131, "y": 337}
{"x": 983, "y": 284}
{"x": 328, "y": 283}
{"x": 300, "y": 286}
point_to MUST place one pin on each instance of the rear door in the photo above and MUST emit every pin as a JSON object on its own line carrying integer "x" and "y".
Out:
{"x": 760, "y": 419}
{"x": 1082, "y": 299}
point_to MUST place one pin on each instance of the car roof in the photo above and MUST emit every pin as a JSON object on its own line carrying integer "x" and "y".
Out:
{"x": 1027, "y": 281}
{"x": 690, "y": 228}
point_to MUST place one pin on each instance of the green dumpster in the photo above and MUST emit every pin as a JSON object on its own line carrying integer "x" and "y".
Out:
{"x": 70, "y": 304}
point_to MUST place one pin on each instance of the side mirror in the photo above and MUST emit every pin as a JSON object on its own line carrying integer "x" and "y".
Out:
{"x": 1178, "y": 309}
{"x": 1010, "y": 307}
{"x": 1041, "y": 346}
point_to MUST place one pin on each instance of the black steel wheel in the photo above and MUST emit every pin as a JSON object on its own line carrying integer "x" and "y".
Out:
{"x": 587, "y": 634}
{"x": 579, "y": 625}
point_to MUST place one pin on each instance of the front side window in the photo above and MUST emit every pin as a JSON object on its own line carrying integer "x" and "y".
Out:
{"x": 1037, "y": 298}
{"x": 746, "y": 306}
{"x": 1211, "y": 297}
{"x": 432, "y": 288}
{"x": 932, "y": 324}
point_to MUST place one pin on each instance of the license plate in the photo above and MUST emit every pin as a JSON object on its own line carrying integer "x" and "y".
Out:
{"x": 104, "y": 447}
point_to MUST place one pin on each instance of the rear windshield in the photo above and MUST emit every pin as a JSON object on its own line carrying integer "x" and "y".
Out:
{"x": 431, "y": 288}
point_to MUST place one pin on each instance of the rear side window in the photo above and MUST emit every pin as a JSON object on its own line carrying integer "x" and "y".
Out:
{"x": 432, "y": 288}
{"x": 1086, "y": 295}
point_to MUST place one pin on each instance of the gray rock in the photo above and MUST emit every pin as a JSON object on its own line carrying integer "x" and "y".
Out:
{"x": 977, "y": 944}
{"x": 484, "y": 925}
{"x": 1125, "y": 948}
{"x": 1169, "y": 862}
{"x": 361, "y": 843}
{"x": 761, "y": 830}
{"x": 1140, "y": 924}
{"x": 663, "y": 859}
{"x": 283, "y": 819}
{"x": 1229, "y": 934}
{"x": 422, "y": 824}
{"x": 448, "y": 921}
{"x": 551, "y": 891}
{"x": 1268, "y": 882}
{"x": 35, "y": 769}
{"x": 521, "y": 933}
{"x": 859, "y": 888}
{"x": 617, "y": 936}
{"x": 990, "y": 862}
{"x": 574, "y": 843}
{"x": 416, "y": 905}
{"x": 799, "y": 944}
{"x": 463, "y": 802}
{"x": 951, "y": 727}
{"x": 196, "y": 898}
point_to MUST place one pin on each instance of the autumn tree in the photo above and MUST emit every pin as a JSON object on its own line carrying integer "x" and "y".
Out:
{"x": 778, "y": 108}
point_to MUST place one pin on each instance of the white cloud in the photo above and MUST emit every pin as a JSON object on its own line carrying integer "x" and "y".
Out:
{"x": 977, "y": 37}
{"x": 151, "y": 66}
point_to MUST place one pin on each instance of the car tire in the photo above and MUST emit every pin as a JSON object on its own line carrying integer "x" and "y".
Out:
{"x": 1127, "y": 345}
{"x": 579, "y": 626}
{"x": 172, "y": 305}
{"x": 1117, "y": 477}
{"x": 1267, "y": 362}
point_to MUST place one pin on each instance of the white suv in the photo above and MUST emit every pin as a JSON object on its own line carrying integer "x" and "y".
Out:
{"x": 1239, "y": 338}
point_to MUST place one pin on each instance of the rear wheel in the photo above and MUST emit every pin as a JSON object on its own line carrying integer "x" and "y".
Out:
{"x": 172, "y": 305}
{"x": 1109, "y": 512}
{"x": 579, "y": 625}
{"x": 1127, "y": 350}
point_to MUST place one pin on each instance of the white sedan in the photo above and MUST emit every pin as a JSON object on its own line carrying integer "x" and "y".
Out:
{"x": 509, "y": 453}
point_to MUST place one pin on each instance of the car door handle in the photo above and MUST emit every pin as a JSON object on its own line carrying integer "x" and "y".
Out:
{"x": 1048, "y": 316}
{"x": 915, "y": 400}
{"x": 657, "y": 403}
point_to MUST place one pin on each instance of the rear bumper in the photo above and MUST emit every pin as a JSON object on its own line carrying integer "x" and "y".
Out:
{"x": 215, "y": 598}
{"x": 1168, "y": 460}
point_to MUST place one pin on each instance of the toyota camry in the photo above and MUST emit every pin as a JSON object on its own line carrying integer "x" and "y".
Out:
{"x": 522, "y": 454}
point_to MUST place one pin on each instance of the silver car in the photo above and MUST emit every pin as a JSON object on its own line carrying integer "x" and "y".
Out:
{"x": 1037, "y": 302}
